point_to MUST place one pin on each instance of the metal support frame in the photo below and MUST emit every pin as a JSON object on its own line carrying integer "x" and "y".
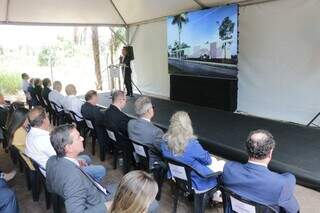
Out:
{"x": 200, "y": 4}
{"x": 7, "y": 11}
{"x": 114, "y": 32}
{"x": 115, "y": 7}
{"x": 134, "y": 35}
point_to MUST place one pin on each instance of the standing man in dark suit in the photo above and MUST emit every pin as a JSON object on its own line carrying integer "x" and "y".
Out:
{"x": 38, "y": 91}
{"x": 125, "y": 60}
{"x": 66, "y": 178}
{"x": 254, "y": 181}
{"x": 114, "y": 118}
{"x": 92, "y": 112}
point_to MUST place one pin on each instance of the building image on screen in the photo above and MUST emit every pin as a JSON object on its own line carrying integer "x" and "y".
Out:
{"x": 204, "y": 43}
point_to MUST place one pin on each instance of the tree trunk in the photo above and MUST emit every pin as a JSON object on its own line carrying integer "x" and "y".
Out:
{"x": 96, "y": 56}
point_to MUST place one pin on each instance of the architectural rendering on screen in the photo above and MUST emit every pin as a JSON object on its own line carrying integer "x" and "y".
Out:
{"x": 204, "y": 42}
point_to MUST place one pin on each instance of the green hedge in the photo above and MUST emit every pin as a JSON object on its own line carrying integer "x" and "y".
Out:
{"x": 10, "y": 83}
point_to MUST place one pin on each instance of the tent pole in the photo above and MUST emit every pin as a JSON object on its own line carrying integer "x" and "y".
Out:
{"x": 127, "y": 35}
{"x": 200, "y": 4}
{"x": 114, "y": 6}
{"x": 134, "y": 35}
{"x": 114, "y": 32}
{"x": 7, "y": 11}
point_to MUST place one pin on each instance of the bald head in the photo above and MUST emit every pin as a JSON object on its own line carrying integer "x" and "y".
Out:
{"x": 260, "y": 144}
{"x": 37, "y": 118}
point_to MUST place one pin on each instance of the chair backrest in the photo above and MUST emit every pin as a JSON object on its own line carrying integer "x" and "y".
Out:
{"x": 56, "y": 107}
{"x": 180, "y": 173}
{"x": 233, "y": 202}
{"x": 89, "y": 124}
{"x": 141, "y": 151}
{"x": 75, "y": 117}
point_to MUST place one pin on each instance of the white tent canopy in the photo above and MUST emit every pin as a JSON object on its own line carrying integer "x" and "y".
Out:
{"x": 100, "y": 12}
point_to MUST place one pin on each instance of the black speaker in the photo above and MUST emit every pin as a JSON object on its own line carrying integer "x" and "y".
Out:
{"x": 130, "y": 53}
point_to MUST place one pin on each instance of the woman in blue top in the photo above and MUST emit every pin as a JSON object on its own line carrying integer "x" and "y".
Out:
{"x": 182, "y": 145}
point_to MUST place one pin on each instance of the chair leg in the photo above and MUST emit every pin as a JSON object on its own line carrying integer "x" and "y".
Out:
{"x": 48, "y": 197}
{"x": 199, "y": 204}
{"x": 56, "y": 203}
{"x": 28, "y": 178}
{"x": 35, "y": 186}
{"x": 93, "y": 145}
{"x": 115, "y": 157}
{"x": 175, "y": 199}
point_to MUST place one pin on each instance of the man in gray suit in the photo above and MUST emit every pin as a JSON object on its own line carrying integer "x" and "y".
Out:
{"x": 143, "y": 131}
{"x": 65, "y": 177}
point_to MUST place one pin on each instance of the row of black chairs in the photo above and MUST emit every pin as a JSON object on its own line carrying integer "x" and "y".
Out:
{"x": 136, "y": 155}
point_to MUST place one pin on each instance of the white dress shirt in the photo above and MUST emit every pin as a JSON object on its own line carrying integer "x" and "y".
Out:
{"x": 24, "y": 86}
{"x": 38, "y": 146}
{"x": 72, "y": 103}
{"x": 57, "y": 98}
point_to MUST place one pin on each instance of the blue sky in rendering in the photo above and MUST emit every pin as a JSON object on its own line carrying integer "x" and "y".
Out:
{"x": 203, "y": 26}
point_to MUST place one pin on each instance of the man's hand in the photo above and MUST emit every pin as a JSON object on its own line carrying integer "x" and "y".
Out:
{"x": 82, "y": 163}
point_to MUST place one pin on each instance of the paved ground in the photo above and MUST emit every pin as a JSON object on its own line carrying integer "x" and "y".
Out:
{"x": 309, "y": 199}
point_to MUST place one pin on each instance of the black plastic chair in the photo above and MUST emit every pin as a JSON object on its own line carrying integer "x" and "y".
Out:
{"x": 80, "y": 123}
{"x": 39, "y": 182}
{"x": 121, "y": 145}
{"x": 181, "y": 178}
{"x": 92, "y": 132}
{"x": 57, "y": 203}
{"x": 141, "y": 155}
{"x": 49, "y": 109}
{"x": 235, "y": 203}
{"x": 59, "y": 114}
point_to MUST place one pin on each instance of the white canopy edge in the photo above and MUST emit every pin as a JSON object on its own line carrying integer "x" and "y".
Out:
{"x": 100, "y": 12}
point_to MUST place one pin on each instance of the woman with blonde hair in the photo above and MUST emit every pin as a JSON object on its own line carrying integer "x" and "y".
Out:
{"x": 182, "y": 145}
{"x": 136, "y": 191}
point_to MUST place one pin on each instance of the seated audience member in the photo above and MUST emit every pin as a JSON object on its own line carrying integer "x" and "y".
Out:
{"x": 34, "y": 100}
{"x": 92, "y": 112}
{"x": 18, "y": 126}
{"x": 71, "y": 102}
{"x": 39, "y": 148}
{"x": 143, "y": 131}
{"x": 25, "y": 86}
{"x": 182, "y": 145}
{"x": 255, "y": 181}
{"x": 55, "y": 95}
{"x": 66, "y": 177}
{"x": 4, "y": 113}
{"x": 114, "y": 118}
{"x": 8, "y": 200}
{"x": 46, "y": 89}
{"x": 38, "y": 91}
{"x": 136, "y": 193}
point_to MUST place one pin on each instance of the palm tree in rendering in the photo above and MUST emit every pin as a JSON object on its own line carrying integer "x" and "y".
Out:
{"x": 225, "y": 33}
{"x": 179, "y": 20}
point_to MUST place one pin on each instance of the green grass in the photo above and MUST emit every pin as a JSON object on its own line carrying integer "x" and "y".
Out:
{"x": 10, "y": 83}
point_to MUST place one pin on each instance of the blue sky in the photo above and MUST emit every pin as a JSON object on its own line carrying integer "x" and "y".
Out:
{"x": 203, "y": 26}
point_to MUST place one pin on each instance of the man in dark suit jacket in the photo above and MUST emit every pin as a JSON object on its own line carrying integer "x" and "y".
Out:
{"x": 66, "y": 178}
{"x": 255, "y": 181}
{"x": 92, "y": 112}
{"x": 46, "y": 89}
{"x": 114, "y": 118}
{"x": 125, "y": 60}
{"x": 143, "y": 131}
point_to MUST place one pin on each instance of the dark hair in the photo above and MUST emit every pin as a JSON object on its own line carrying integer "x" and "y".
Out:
{"x": 13, "y": 106}
{"x": 259, "y": 144}
{"x": 24, "y": 75}
{"x": 37, "y": 82}
{"x": 89, "y": 95}
{"x": 117, "y": 94}
{"x": 60, "y": 137}
{"x": 16, "y": 120}
{"x": 36, "y": 121}
{"x": 46, "y": 82}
